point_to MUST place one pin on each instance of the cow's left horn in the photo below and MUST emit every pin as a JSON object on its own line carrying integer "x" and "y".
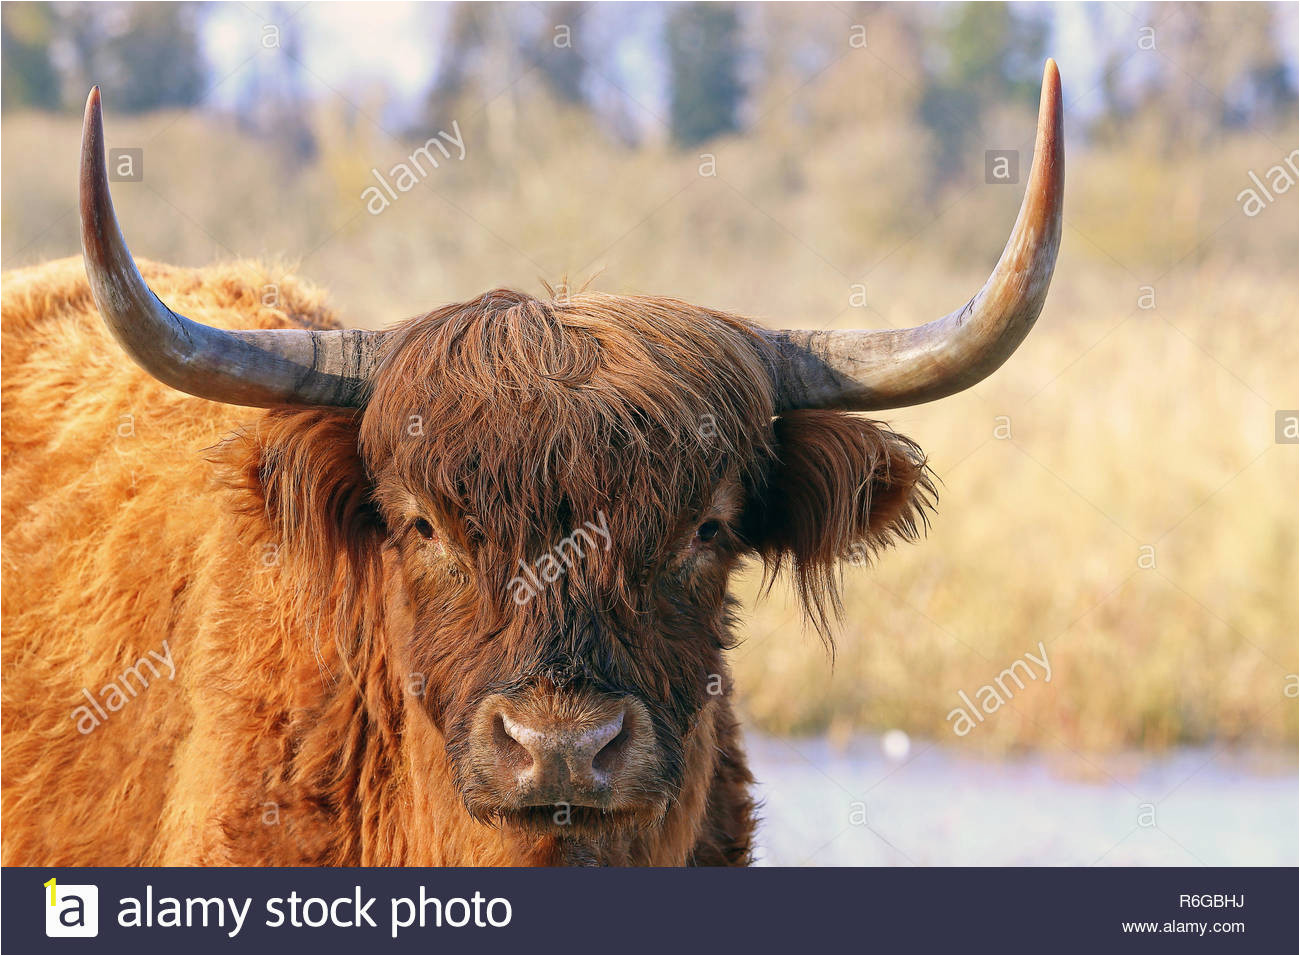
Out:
{"x": 264, "y": 368}
{"x": 890, "y": 368}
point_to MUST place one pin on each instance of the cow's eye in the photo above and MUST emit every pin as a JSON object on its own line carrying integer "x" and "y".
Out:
{"x": 708, "y": 531}
{"x": 423, "y": 528}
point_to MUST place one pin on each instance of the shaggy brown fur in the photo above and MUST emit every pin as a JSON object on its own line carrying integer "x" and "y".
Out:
{"x": 335, "y": 587}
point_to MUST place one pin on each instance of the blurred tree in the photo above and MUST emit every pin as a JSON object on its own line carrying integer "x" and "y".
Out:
{"x": 77, "y": 47}
{"x": 273, "y": 99}
{"x": 27, "y": 74}
{"x": 704, "y": 57}
{"x": 1114, "y": 48}
{"x": 478, "y": 78}
{"x": 556, "y": 53}
{"x": 147, "y": 54}
{"x": 1219, "y": 65}
{"x": 461, "y": 43}
{"x": 625, "y": 83}
{"x": 150, "y": 54}
{"x": 990, "y": 53}
{"x": 481, "y": 49}
{"x": 1175, "y": 76}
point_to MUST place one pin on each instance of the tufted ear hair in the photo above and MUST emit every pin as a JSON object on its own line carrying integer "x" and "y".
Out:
{"x": 301, "y": 474}
{"x": 841, "y": 488}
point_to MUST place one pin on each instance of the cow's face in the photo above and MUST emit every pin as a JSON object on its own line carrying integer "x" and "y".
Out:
{"x": 566, "y": 487}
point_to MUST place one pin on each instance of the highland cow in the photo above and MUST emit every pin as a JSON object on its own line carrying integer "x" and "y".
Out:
{"x": 328, "y": 529}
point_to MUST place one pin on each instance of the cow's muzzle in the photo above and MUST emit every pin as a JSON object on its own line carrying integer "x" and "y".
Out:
{"x": 540, "y": 755}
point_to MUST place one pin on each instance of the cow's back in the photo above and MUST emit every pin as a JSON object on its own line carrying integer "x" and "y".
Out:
{"x": 117, "y": 538}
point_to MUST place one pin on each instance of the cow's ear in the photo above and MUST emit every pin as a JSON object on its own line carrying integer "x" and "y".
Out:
{"x": 300, "y": 477}
{"x": 840, "y": 488}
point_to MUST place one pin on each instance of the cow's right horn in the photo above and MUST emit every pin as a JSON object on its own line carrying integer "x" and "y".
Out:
{"x": 889, "y": 368}
{"x": 263, "y": 368}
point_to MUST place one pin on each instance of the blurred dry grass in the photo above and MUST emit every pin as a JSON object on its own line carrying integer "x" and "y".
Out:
{"x": 1129, "y": 427}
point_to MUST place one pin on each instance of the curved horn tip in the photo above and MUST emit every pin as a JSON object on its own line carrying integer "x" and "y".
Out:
{"x": 1048, "y": 162}
{"x": 92, "y": 127}
{"x": 92, "y": 104}
{"x": 891, "y": 368}
{"x": 1049, "y": 107}
{"x": 259, "y": 368}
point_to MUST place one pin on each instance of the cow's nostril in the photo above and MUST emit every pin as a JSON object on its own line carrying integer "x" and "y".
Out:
{"x": 610, "y": 757}
{"x": 512, "y": 755}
